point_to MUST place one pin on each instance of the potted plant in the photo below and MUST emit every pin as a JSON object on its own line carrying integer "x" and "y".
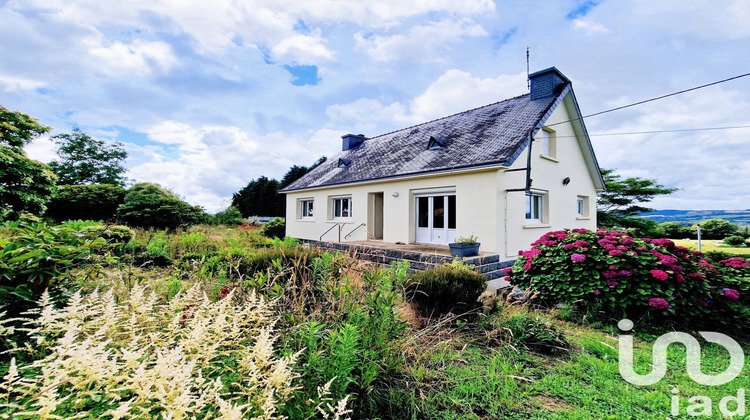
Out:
{"x": 465, "y": 246}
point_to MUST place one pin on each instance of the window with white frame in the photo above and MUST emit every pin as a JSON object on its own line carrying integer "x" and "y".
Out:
{"x": 306, "y": 209}
{"x": 342, "y": 207}
{"x": 582, "y": 204}
{"x": 535, "y": 207}
{"x": 548, "y": 142}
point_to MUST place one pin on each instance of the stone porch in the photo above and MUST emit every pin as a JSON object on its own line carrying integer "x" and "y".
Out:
{"x": 420, "y": 257}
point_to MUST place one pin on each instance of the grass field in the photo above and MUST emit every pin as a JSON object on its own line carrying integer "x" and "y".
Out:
{"x": 345, "y": 320}
{"x": 711, "y": 245}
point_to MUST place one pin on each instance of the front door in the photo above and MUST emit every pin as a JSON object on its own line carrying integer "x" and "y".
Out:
{"x": 436, "y": 219}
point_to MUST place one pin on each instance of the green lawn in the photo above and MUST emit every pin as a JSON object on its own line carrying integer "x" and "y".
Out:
{"x": 711, "y": 245}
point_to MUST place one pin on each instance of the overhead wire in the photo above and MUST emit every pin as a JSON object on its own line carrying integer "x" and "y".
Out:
{"x": 655, "y": 98}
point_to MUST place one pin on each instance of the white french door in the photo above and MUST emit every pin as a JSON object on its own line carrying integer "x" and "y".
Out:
{"x": 436, "y": 218}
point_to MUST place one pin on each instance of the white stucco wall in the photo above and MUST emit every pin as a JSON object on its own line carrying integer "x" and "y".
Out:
{"x": 561, "y": 210}
{"x": 476, "y": 208}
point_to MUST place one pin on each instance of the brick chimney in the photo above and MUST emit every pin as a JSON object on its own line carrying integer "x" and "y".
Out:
{"x": 546, "y": 83}
{"x": 351, "y": 141}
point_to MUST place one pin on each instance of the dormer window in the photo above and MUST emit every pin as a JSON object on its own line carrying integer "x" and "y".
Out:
{"x": 436, "y": 143}
{"x": 344, "y": 163}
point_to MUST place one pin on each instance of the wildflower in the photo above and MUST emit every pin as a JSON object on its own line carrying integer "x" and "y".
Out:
{"x": 680, "y": 278}
{"x": 659, "y": 274}
{"x": 507, "y": 270}
{"x": 703, "y": 303}
{"x": 596, "y": 292}
{"x": 697, "y": 275}
{"x": 625, "y": 273}
{"x": 577, "y": 258}
{"x": 611, "y": 283}
{"x": 615, "y": 252}
{"x": 658, "y": 303}
{"x": 731, "y": 294}
{"x": 579, "y": 243}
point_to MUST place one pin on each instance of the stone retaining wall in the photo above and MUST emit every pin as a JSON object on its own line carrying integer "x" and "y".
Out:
{"x": 488, "y": 265}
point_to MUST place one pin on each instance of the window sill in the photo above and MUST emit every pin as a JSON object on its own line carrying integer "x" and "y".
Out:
{"x": 537, "y": 226}
{"x": 309, "y": 220}
{"x": 349, "y": 220}
{"x": 549, "y": 158}
{"x": 583, "y": 218}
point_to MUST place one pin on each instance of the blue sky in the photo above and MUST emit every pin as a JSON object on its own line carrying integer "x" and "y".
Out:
{"x": 208, "y": 95}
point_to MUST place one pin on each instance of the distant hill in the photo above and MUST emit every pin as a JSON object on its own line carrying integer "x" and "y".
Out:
{"x": 690, "y": 217}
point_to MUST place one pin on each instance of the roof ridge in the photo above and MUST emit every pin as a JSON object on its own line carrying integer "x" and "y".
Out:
{"x": 448, "y": 116}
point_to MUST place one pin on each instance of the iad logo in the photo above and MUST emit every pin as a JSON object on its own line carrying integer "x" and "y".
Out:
{"x": 659, "y": 369}
{"x": 700, "y": 405}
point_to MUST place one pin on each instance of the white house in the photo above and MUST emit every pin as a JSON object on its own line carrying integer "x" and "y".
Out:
{"x": 473, "y": 173}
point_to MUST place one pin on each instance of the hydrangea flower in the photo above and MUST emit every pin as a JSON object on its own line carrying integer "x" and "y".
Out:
{"x": 577, "y": 258}
{"x": 731, "y": 294}
{"x": 658, "y": 303}
{"x": 659, "y": 274}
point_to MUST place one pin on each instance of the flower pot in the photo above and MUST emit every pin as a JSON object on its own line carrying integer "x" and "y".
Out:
{"x": 464, "y": 250}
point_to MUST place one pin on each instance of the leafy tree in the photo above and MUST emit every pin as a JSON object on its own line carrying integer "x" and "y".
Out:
{"x": 25, "y": 184}
{"x": 229, "y": 216}
{"x": 674, "y": 230}
{"x": 716, "y": 229}
{"x": 619, "y": 205}
{"x": 148, "y": 205}
{"x": 275, "y": 228}
{"x": 18, "y": 129}
{"x": 88, "y": 202}
{"x": 86, "y": 160}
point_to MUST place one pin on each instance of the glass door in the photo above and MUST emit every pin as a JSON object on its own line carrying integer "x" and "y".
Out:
{"x": 436, "y": 219}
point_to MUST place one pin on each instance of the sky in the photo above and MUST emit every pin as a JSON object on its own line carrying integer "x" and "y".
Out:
{"x": 206, "y": 96}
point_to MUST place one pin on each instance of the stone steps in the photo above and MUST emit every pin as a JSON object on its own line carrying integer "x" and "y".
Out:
{"x": 489, "y": 266}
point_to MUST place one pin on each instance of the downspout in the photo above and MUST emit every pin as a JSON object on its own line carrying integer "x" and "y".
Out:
{"x": 526, "y": 189}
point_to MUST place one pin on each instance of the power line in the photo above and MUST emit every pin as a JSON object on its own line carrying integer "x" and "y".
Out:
{"x": 680, "y": 130}
{"x": 656, "y": 98}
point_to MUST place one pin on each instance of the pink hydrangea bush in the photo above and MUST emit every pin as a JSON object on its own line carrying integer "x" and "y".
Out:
{"x": 630, "y": 276}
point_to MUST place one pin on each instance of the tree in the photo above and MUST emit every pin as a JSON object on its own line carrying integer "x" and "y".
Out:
{"x": 619, "y": 205}
{"x": 85, "y": 160}
{"x": 18, "y": 129}
{"x": 148, "y": 205}
{"x": 716, "y": 229}
{"x": 261, "y": 197}
{"x": 87, "y": 202}
{"x": 674, "y": 230}
{"x": 25, "y": 184}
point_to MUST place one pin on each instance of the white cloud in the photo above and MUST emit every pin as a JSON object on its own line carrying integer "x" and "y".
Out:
{"x": 302, "y": 49}
{"x": 41, "y": 149}
{"x": 591, "y": 27}
{"x": 10, "y": 83}
{"x": 457, "y": 91}
{"x": 139, "y": 57}
{"x": 422, "y": 43}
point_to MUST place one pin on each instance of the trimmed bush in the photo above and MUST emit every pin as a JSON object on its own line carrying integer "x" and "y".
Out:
{"x": 625, "y": 276}
{"x": 275, "y": 228}
{"x": 734, "y": 240}
{"x": 445, "y": 289}
{"x": 113, "y": 234}
{"x": 716, "y": 229}
{"x": 148, "y": 205}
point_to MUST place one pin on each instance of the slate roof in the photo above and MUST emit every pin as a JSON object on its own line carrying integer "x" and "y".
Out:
{"x": 492, "y": 134}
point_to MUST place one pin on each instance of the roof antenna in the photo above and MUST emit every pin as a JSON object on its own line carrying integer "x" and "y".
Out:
{"x": 528, "y": 80}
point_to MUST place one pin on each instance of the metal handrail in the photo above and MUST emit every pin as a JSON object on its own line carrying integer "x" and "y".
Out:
{"x": 324, "y": 233}
{"x": 349, "y": 234}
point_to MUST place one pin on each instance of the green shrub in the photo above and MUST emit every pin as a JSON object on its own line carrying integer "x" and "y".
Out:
{"x": 112, "y": 233}
{"x": 148, "y": 205}
{"x": 275, "y": 228}
{"x": 734, "y": 240}
{"x": 518, "y": 327}
{"x": 674, "y": 230}
{"x": 38, "y": 257}
{"x": 625, "y": 276}
{"x": 445, "y": 289}
{"x": 230, "y": 216}
{"x": 716, "y": 229}
{"x": 93, "y": 202}
{"x": 78, "y": 225}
